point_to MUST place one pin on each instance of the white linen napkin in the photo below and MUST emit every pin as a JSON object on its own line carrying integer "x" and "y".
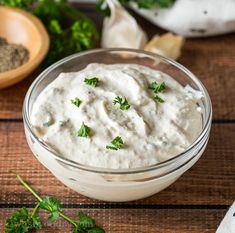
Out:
{"x": 228, "y": 223}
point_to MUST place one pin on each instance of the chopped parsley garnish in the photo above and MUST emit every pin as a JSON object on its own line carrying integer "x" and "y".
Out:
{"x": 92, "y": 82}
{"x": 22, "y": 221}
{"x": 159, "y": 99}
{"x": 84, "y": 131}
{"x": 157, "y": 88}
{"x": 76, "y": 101}
{"x": 47, "y": 123}
{"x": 124, "y": 105}
{"x": 117, "y": 143}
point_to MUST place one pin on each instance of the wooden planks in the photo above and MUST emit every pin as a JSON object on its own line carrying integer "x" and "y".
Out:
{"x": 209, "y": 182}
{"x": 215, "y": 68}
{"x": 139, "y": 220}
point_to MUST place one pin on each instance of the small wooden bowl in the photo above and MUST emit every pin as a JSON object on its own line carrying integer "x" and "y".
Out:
{"x": 20, "y": 27}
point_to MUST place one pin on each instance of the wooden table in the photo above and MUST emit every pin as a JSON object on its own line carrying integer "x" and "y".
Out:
{"x": 196, "y": 203}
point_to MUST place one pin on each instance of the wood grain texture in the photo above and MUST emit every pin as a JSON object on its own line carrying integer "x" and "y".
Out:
{"x": 210, "y": 181}
{"x": 211, "y": 59}
{"x": 138, "y": 221}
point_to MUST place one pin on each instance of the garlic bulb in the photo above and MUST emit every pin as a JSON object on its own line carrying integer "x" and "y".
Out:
{"x": 168, "y": 45}
{"x": 121, "y": 30}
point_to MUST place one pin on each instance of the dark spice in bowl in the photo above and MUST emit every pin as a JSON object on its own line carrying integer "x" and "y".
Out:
{"x": 12, "y": 55}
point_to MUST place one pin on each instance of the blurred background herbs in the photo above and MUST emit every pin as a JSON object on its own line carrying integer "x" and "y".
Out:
{"x": 146, "y": 4}
{"x": 70, "y": 30}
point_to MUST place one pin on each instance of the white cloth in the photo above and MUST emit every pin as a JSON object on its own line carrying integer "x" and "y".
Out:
{"x": 228, "y": 223}
{"x": 194, "y": 18}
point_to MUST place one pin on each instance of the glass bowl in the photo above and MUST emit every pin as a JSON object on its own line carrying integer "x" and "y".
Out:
{"x": 117, "y": 184}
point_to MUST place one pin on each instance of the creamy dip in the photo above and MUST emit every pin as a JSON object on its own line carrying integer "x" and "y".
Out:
{"x": 151, "y": 131}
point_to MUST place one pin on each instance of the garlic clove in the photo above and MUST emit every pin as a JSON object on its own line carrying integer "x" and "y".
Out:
{"x": 167, "y": 45}
{"x": 121, "y": 30}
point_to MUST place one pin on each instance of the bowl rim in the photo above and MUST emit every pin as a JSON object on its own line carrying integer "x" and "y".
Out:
{"x": 31, "y": 64}
{"x": 57, "y": 156}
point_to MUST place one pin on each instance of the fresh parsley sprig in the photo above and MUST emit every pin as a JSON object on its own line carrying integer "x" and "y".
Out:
{"x": 124, "y": 105}
{"x": 76, "y": 101}
{"x": 22, "y": 221}
{"x": 84, "y": 131}
{"x": 158, "y": 88}
{"x": 117, "y": 143}
{"x": 92, "y": 81}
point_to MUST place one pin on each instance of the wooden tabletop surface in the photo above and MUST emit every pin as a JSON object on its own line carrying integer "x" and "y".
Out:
{"x": 195, "y": 203}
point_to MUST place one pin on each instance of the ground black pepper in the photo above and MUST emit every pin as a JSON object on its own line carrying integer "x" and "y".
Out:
{"x": 12, "y": 55}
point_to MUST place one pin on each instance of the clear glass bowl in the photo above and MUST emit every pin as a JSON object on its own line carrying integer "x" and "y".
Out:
{"x": 117, "y": 184}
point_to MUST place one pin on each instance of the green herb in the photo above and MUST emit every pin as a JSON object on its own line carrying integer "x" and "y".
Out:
{"x": 157, "y": 87}
{"x": 84, "y": 131}
{"x": 52, "y": 205}
{"x": 117, "y": 143}
{"x": 92, "y": 82}
{"x": 76, "y": 102}
{"x": 159, "y": 99}
{"x": 70, "y": 30}
{"x": 47, "y": 123}
{"x": 147, "y": 4}
{"x": 124, "y": 105}
{"x": 22, "y": 221}
{"x": 85, "y": 221}
{"x": 101, "y": 6}
{"x": 17, "y": 3}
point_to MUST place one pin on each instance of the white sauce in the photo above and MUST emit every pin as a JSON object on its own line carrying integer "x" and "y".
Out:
{"x": 152, "y": 132}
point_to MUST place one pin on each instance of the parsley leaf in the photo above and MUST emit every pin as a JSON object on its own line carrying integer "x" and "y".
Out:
{"x": 84, "y": 131}
{"x": 117, "y": 143}
{"x": 92, "y": 82}
{"x": 55, "y": 27}
{"x": 76, "y": 102}
{"x": 96, "y": 230}
{"x": 85, "y": 222}
{"x": 157, "y": 87}
{"x": 48, "y": 123}
{"x": 124, "y": 105}
{"x": 52, "y": 205}
{"x": 159, "y": 99}
{"x": 25, "y": 4}
{"x": 21, "y": 221}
